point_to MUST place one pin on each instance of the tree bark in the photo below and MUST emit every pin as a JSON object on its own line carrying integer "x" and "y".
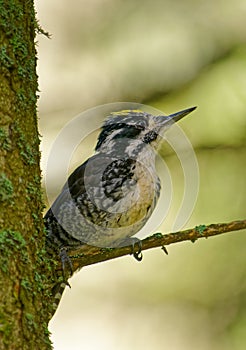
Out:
{"x": 23, "y": 281}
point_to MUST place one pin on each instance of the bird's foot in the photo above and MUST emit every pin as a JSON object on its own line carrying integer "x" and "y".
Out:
{"x": 66, "y": 265}
{"x": 138, "y": 255}
{"x": 136, "y": 244}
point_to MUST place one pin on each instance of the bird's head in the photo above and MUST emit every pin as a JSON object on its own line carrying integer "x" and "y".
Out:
{"x": 131, "y": 130}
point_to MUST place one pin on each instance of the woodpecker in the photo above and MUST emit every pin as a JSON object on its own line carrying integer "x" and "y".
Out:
{"x": 110, "y": 197}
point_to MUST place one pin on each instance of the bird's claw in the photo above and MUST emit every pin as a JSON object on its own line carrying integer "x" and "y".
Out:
{"x": 66, "y": 262}
{"x": 133, "y": 242}
{"x": 138, "y": 255}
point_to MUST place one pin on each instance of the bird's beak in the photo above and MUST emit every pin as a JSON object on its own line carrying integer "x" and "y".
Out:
{"x": 165, "y": 121}
{"x": 179, "y": 115}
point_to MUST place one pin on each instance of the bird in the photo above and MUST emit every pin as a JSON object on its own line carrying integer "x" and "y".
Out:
{"x": 110, "y": 197}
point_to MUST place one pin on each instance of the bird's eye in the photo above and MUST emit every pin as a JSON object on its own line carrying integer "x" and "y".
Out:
{"x": 150, "y": 136}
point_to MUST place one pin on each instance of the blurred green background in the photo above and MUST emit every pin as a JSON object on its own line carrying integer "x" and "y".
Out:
{"x": 169, "y": 55}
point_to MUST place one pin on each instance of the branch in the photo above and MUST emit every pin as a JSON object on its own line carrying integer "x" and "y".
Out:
{"x": 88, "y": 255}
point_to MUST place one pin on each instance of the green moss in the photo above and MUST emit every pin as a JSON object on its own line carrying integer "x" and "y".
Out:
{"x": 25, "y": 98}
{"x": 17, "y": 57}
{"x": 27, "y": 154}
{"x": 18, "y": 49}
{"x": 27, "y": 151}
{"x": 46, "y": 330}
{"x": 5, "y": 59}
{"x": 12, "y": 238}
{"x": 11, "y": 12}
{"x": 11, "y": 243}
{"x": 26, "y": 71}
{"x": 77, "y": 256}
{"x": 47, "y": 334}
{"x": 19, "y": 46}
{"x": 40, "y": 30}
{"x": 37, "y": 277}
{"x": 35, "y": 193}
{"x": 32, "y": 189}
{"x": 43, "y": 259}
{"x": 157, "y": 235}
{"x": 21, "y": 96}
{"x": 25, "y": 283}
{"x": 106, "y": 250}
{"x": 4, "y": 263}
{"x": 35, "y": 216}
{"x": 6, "y": 248}
{"x": 39, "y": 281}
{"x": 30, "y": 320}
{"x": 4, "y": 140}
{"x": 6, "y": 188}
{"x": 200, "y": 229}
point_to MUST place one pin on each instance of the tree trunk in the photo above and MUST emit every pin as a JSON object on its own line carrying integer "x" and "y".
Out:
{"x": 27, "y": 274}
{"x": 24, "y": 294}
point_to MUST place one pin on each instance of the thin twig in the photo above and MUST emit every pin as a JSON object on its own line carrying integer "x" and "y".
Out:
{"x": 88, "y": 255}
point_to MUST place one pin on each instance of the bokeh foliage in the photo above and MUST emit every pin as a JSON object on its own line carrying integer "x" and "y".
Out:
{"x": 170, "y": 55}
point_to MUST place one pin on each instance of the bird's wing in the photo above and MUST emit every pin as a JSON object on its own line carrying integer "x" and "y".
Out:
{"x": 100, "y": 177}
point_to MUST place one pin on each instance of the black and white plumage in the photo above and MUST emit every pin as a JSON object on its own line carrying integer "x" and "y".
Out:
{"x": 110, "y": 197}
